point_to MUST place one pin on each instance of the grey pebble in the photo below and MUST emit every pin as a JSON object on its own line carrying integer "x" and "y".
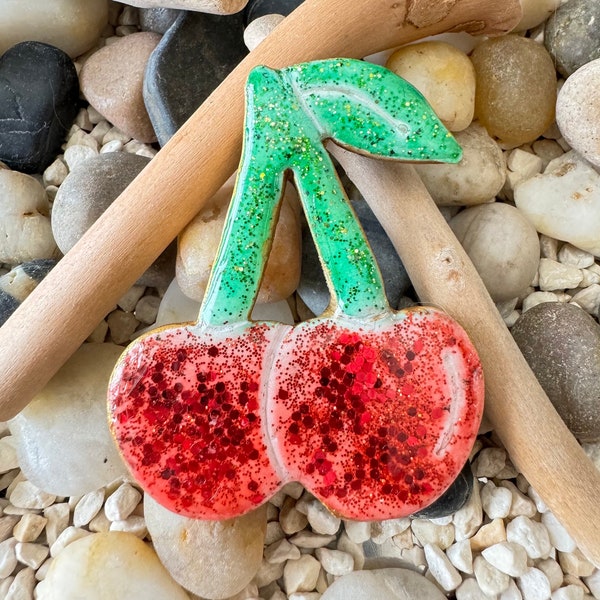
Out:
{"x": 158, "y": 20}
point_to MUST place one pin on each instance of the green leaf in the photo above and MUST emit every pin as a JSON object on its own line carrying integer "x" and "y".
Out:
{"x": 370, "y": 109}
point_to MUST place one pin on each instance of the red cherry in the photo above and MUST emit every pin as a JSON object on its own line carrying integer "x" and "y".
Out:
{"x": 186, "y": 409}
{"x": 376, "y": 418}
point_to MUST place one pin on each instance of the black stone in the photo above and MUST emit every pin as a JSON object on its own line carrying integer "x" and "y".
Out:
{"x": 259, "y": 8}
{"x": 39, "y": 268}
{"x": 39, "y": 100}
{"x": 313, "y": 287}
{"x": 572, "y": 35}
{"x": 453, "y": 499}
{"x": 191, "y": 60}
{"x": 8, "y": 305}
{"x": 158, "y": 20}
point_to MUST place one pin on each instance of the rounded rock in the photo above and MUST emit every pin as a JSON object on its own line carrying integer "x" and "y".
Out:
{"x": 578, "y": 111}
{"x": 63, "y": 440}
{"x": 391, "y": 584}
{"x": 198, "y": 243}
{"x": 214, "y": 559}
{"x": 444, "y": 75}
{"x": 535, "y": 12}
{"x": 108, "y": 565}
{"x": 260, "y": 8}
{"x": 572, "y": 36}
{"x": 561, "y": 343}
{"x": 112, "y": 81}
{"x": 503, "y": 246}
{"x": 476, "y": 179}
{"x": 515, "y": 88}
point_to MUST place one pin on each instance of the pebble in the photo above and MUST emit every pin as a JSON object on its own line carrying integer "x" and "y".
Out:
{"x": 488, "y": 534}
{"x": 559, "y": 537}
{"x": 281, "y": 551}
{"x": 516, "y": 88}
{"x": 444, "y": 75}
{"x": 321, "y": 519}
{"x": 534, "y": 585}
{"x": 358, "y": 531}
{"x": 301, "y": 575}
{"x": 312, "y": 288}
{"x": 73, "y": 401}
{"x": 22, "y": 585}
{"x": 468, "y": 519}
{"x": 191, "y": 60}
{"x": 391, "y": 584}
{"x": 441, "y": 569}
{"x": 561, "y": 343}
{"x": 536, "y": 12}
{"x": 503, "y": 246}
{"x": 578, "y": 107}
{"x": 571, "y": 35}
{"x": 67, "y": 536}
{"x": 134, "y": 524}
{"x": 491, "y": 580}
{"x": 220, "y": 7}
{"x": 356, "y": 551}
{"x": 230, "y": 552}
{"x": 520, "y": 504}
{"x": 29, "y": 527}
{"x": 74, "y": 26}
{"x": 157, "y": 19}
{"x": 496, "y": 501}
{"x": 259, "y": 29}
{"x": 111, "y": 80}
{"x": 122, "y": 502}
{"x": 255, "y": 9}
{"x": 198, "y": 243}
{"x": 335, "y": 562}
{"x": 575, "y": 563}
{"x": 427, "y": 532}
{"x": 508, "y": 557}
{"x": 8, "y": 557}
{"x": 108, "y": 565}
{"x": 88, "y": 507}
{"x": 309, "y": 539}
{"x": 476, "y": 179}
{"x": 532, "y": 535}
{"x": 58, "y": 520}
{"x": 564, "y": 202}
{"x": 88, "y": 191}
{"x": 31, "y": 555}
{"x": 7, "y": 523}
{"x": 575, "y": 257}
{"x": 39, "y": 93}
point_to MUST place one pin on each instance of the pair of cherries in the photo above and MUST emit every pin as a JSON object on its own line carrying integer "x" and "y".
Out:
{"x": 374, "y": 411}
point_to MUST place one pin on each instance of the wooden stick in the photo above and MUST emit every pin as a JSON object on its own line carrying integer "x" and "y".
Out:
{"x": 536, "y": 438}
{"x": 65, "y": 308}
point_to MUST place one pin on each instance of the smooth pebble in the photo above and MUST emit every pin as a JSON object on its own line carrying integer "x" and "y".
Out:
{"x": 221, "y": 7}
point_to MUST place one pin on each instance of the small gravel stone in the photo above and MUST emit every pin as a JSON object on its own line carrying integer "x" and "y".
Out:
{"x": 122, "y": 326}
{"x": 384, "y": 530}
{"x": 468, "y": 519}
{"x": 489, "y": 534}
{"x": 55, "y": 173}
{"x": 29, "y": 528}
{"x": 490, "y": 579}
{"x": 533, "y": 536}
{"x": 88, "y": 507}
{"x": 335, "y": 562}
{"x": 427, "y": 532}
{"x": 489, "y": 462}
{"x": 556, "y": 276}
{"x": 292, "y": 521}
{"x": 301, "y": 575}
{"x": 27, "y": 495}
{"x": 122, "y": 502}
{"x": 569, "y": 592}
{"x": 146, "y": 310}
{"x": 508, "y": 557}
{"x": 7, "y": 523}
{"x": 588, "y": 299}
{"x": 100, "y": 523}
{"x": 260, "y": 28}
{"x": 274, "y": 532}
{"x": 308, "y": 539}
{"x": 521, "y": 504}
{"x": 356, "y": 551}
{"x": 575, "y": 563}
{"x": 534, "y": 585}
{"x": 441, "y": 568}
{"x": 461, "y": 556}
{"x": 58, "y": 521}
{"x": 559, "y": 536}
{"x": 281, "y": 551}
{"x": 8, "y": 455}
{"x": 22, "y": 586}
{"x": 575, "y": 257}
{"x": 67, "y": 536}
{"x": 321, "y": 519}
{"x": 496, "y": 501}
{"x": 358, "y": 531}
{"x": 31, "y": 555}
{"x": 8, "y": 557}
{"x": 133, "y": 524}
{"x": 469, "y": 590}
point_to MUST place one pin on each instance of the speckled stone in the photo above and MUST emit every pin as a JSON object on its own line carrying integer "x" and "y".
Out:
{"x": 157, "y": 19}
{"x": 112, "y": 78}
{"x": 561, "y": 343}
{"x": 259, "y": 8}
{"x": 572, "y": 35}
{"x": 192, "y": 59}
{"x": 88, "y": 191}
{"x": 313, "y": 287}
{"x": 39, "y": 99}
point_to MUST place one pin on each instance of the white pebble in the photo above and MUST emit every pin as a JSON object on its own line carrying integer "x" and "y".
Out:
{"x": 274, "y": 532}
{"x": 427, "y": 532}
{"x": 88, "y": 507}
{"x": 134, "y": 524}
{"x": 78, "y": 154}
{"x": 29, "y": 528}
{"x": 22, "y": 585}
{"x": 281, "y": 551}
{"x": 122, "y": 502}
{"x": 146, "y": 309}
{"x": 552, "y": 570}
{"x": 575, "y": 563}
{"x": 526, "y": 164}
{"x": 8, "y": 557}
{"x": 559, "y": 537}
{"x": 114, "y": 133}
{"x": 356, "y": 551}
{"x": 55, "y": 173}
{"x": 7, "y": 523}
{"x": 8, "y": 455}
{"x": 539, "y": 503}
{"x": 556, "y": 276}
{"x": 521, "y": 504}
{"x": 31, "y": 555}
{"x": 68, "y": 536}
{"x": 305, "y": 596}
{"x": 548, "y": 247}
{"x": 588, "y": 299}
{"x": 334, "y": 561}
{"x": 593, "y": 583}
{"x": 538, "y": 298}
{"x": 489, "y": 462}
{"x": 268, "y": 572}
{"x": 322, "y": 520}
{"x": 112, "y": 146}
{"x": 490, "y": 579}
{"x": 534, "y": 585}
{"x": 569, "y": 592}
{"x": 58, "y": 520}
{"x": 468, "y": 518}
{"x": 301, "y": 575}
{"x": 26, "y": 495}
{"x": 533, "y": 536}
{"x": 259, "y": 29}
{"x": 508, "y": 557}
{"x": 575, "y": 257}
{"x": 292, "y": 520}
{"x": 384, "y": 530}
{"x": 461, "y": 556}
{"x": 496, "y": 501}
{"x": 469, "y": 590}
{"x": 122, "y": 326}
{"x": 590, "y": 276}
{"x": 441, "y": 568}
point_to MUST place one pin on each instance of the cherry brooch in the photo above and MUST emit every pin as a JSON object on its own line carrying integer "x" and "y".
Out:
{"x": 374, "y": 411}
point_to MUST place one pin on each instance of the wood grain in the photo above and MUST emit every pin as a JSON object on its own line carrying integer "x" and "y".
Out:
{"x": 539, "y": 443}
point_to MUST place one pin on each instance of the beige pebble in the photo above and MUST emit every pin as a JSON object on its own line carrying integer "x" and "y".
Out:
{"x": 547, "y": 150}
{"x": 309, "y": 539}
{"x": 55, "y": 173}
{"x": 488, "y": 535}
{"x": 146, "y": 310}
{"x": 100, "y": 523}
{"x": 535, "y": 12}
{"x": 111, "y": 80}
{"x": 538, "y": 298}
{"x": 292, "y": 520}
{"x": 427, "y": 532}
{"x": 382, "y": 531}
{"x": 8, "y": 455}
{"x": 83, "y": 138}
{"x": 345, "y": 544}
{"x": 8, "y": 557}
{"x": 521, "y": 504}
{"x": 556, "y": 276}
{"x": 7, "y": 523}
{"x": 31, "y": 555}
{"x": 301, "y": 575}
{"x": 122, "y": 326}
{"x": 22, "y": 585}
{"x": 468, "y": 518}
{"x": 358, "y": 531}
{"x": 274, "y": 532}
{"x": 575, "y": 257}
{"x": 29, "y": 528}
{"x": 575, "y": 563}
{"x": 27, "y": 495}
{"x": 588, "y": 299}
{"x": 78, "y": 154}
{"x": 281, "y": 551}
{"x": 58, "y": 520}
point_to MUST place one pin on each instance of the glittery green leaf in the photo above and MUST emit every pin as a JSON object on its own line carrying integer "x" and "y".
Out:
{"x": 370, "y": 109}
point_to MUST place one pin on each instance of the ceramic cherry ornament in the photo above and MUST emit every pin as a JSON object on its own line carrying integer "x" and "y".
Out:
{"x": 373, "y": 411}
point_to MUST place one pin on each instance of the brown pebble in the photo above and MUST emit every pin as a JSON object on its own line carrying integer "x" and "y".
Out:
{"x": 516, "y": 88}
{"x": 112, "y": 78}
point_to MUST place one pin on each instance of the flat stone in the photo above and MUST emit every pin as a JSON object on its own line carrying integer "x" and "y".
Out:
{"x": 335, "y": 562}
{"x": 111, "y": 80}
{"x": 88, "y": 191}
{"x": 229, "y": 552}
{"x": 220, "y": 7}
{"x": 113, "y": 564}
{"x": 442, "y": 570}
{"x": 301, "y": 575}
{"x": 74, "y": 26}
{"x": 313, "y": 287}
{"x": 39, "y": 99}
{"x": 564, "y": 202}
{"x": 578, "y": 108}
{"x": 157, "y": 19}
{"x": 191, "y": 60}
{"x": 50, "y": 454}
{"x": 561, "y": 343}
{"x": 260, "y": 8}
{"x": 571, "y": 35}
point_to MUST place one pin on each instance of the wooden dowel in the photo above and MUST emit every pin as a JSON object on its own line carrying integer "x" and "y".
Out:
{"x": 539, "y": 443}
{"x": 66, "y": 307}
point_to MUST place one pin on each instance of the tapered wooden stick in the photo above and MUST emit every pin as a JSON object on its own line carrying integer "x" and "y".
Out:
{"x": 536, "y": 438}
{"x": 51, "y": 324}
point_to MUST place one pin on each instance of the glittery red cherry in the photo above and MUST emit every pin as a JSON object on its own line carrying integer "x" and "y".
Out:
{"x": 187, "y": 411}
{"x": 376, "y": 418}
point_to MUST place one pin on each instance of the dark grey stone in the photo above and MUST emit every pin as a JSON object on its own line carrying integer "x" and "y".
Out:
{"x": 39, "y": 99}
{"x": 158, "y": 20}
{"x": 259, "y": 8}
{"x": 572, "y": 35}
{"x": 561, "y": 343}
{"x": 313, "y": 287}
{"x": 191, "y": 60}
